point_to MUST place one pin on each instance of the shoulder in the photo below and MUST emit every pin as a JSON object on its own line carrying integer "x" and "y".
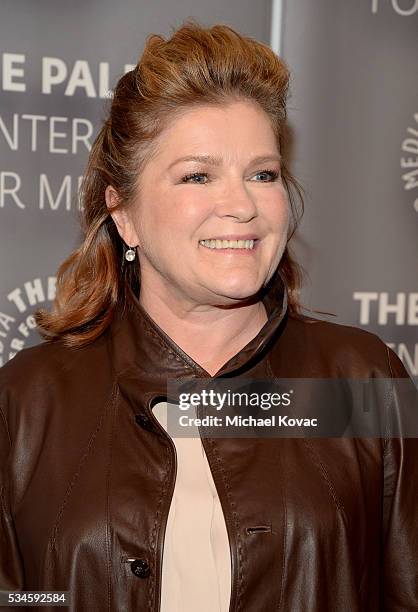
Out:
{"x": 51, "y": 374}
{"x": 49, "y": 360}
{"x": 331, "y": 334}
{"x": 330, "y": 348}
{"x": 33, "y": 364}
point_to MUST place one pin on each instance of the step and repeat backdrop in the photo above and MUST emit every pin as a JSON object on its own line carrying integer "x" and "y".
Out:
{"x": 353, "y": 117}
{"x": 354, "y": 122}
{"x": 59, "y": 63}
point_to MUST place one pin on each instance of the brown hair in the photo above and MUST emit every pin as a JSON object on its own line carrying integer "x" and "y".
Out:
{"x": 197, "y": 65}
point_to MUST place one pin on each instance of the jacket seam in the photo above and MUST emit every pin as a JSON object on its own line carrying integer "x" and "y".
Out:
{"x": 236, "y": 521}
{"x": 282, "y": 581}
{"x": 269, "y": 368}
{"x": 152, "y": 584}
{"x": 321, "y": 468}
{"x": 388, "y": 401}
{"x": 6, "y": 425}
{"x": 108, "y": 489}
{"x": 54, "y": 530}
{"x": 5, "y": 504}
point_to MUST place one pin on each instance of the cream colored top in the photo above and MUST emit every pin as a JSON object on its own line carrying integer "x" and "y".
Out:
{"x": 196, "y": 557}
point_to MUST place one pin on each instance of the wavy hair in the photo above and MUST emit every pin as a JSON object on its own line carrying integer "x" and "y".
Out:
{"x": 197, "y": 65}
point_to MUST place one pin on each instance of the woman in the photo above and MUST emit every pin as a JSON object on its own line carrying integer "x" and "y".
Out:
{"x": 185, "y": 273}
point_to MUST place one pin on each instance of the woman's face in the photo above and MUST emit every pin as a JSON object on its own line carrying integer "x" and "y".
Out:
{"x": 234, "y": 191}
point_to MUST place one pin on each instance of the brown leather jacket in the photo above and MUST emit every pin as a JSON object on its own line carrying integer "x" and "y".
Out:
{"x": 87, "y": 476}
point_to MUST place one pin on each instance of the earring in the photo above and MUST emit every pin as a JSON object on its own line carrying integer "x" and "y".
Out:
{"x": 130, "y": 254}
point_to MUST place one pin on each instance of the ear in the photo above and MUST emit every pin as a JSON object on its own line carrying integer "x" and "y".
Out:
{"x": 121, "y": 217}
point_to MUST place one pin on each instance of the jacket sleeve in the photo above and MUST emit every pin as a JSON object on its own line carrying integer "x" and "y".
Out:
{"x": 11, "y": 567}
{"x": 400, "y": 503}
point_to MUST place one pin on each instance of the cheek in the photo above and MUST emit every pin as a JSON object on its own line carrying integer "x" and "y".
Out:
{"x": 171, "y": 222}
{"x": 278, "y": 213}
{"x": 186, "y": 214}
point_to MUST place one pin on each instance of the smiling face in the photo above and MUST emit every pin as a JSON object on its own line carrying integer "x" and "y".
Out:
{"x": 233, "y": 191}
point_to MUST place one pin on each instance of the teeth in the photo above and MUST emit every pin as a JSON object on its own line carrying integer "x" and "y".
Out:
{"x": 228, "y": 244}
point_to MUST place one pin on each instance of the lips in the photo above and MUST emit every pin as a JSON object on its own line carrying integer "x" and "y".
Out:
{"x": 239, "y": 247}
{"x": 232, "y": 237}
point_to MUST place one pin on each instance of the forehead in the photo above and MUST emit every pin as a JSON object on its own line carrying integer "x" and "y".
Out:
{"x": 214, "y": 130}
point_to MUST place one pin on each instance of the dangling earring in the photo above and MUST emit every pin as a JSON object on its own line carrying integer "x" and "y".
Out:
{"x": 130, "y": 254}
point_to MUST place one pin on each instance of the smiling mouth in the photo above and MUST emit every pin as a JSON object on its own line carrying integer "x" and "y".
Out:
{"x": 230, "y": 245}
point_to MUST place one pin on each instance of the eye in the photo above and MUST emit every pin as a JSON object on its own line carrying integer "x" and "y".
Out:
{"x": 274, "y": 175}
{"x": 194, "y": 175}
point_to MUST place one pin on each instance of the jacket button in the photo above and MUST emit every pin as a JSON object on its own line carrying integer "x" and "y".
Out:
{"x": 144, "y": 421}
{"x": 140, "y": 568}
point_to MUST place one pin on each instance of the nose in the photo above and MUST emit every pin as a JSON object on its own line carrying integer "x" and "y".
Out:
{"x": 237, "y": 202}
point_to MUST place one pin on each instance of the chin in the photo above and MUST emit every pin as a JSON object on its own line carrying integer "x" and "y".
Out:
{"x": 239, "y": 290}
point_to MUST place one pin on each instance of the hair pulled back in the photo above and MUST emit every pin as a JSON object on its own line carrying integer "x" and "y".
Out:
{"x": 197, "y": 65}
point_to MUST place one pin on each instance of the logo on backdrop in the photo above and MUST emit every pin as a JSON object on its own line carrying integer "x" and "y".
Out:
{"x": 378, "y": 308}
{"x": 64, "y": 140}
{"x": 58, "y": 76}
{"x": 17, "y": 324}
{"x": 406, "y": 8}
{"x": 409, "y": 161}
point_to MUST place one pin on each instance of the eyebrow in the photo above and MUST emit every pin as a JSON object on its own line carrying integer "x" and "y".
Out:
{"x": 217, "y": 161}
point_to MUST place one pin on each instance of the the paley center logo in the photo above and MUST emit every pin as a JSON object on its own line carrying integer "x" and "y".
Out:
{"x": 17, "y": 323}
{"x": 409, "y": 161}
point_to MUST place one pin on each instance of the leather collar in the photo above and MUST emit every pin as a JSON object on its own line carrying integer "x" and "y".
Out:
{"x": 138, "y": 345}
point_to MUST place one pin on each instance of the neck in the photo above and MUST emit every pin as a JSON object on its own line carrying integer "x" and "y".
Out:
{"x": 210, "y": 335}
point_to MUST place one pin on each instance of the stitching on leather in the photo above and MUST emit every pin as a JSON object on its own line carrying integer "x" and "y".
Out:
{"x": 54, "y": 530}
{"x": 152, "y": 582}
{"x": 388, "y": 401}
{"x": 108, "y": 475}
{"x": 6, "y": 425}
{"x": 3, "y": 488}
{"x": 269, "y": 368}
{"x": 170, "y": 351}
{"x": 389, "y": 361}
{"x": 320, "y": 466}
{"x": 237, "y": 520}
{"x": 282, "y": 581}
